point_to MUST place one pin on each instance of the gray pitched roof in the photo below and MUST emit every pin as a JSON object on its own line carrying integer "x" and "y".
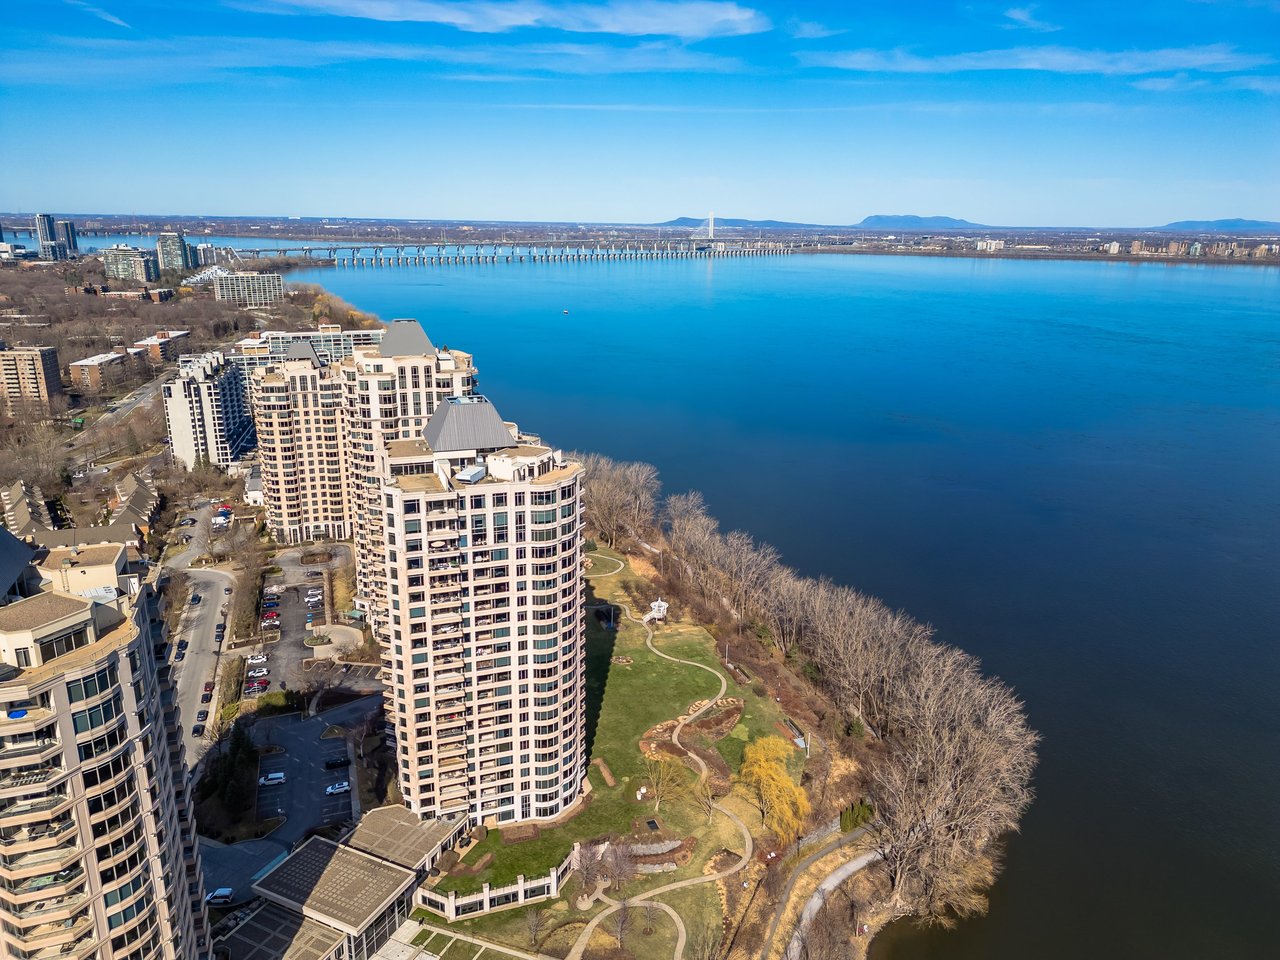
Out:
{"x": 14, "y": 557}
{"x": 406, "y": 338}
{"x": 466, "y": 423}
{"x": 303, "y": 350}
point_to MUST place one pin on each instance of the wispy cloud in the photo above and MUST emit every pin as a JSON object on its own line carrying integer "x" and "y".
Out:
{"x": 201, "y": 56}
{"x": 685, "y": 19}
{"x": 1182, "y": 82}
{"x": 98, "y": 12}
{"x": 1217, "y": 57}
{"x": 808, "y": 30}
{"x": 1024, "y": 18}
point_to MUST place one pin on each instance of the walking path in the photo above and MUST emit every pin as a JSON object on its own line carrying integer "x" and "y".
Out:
{"x": 580, "y": 945}
{"x": 800, "y": 869}
{"x": 795, "y": 948}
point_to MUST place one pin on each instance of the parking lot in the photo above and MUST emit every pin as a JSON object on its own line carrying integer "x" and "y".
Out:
{"x": 302, "y": 760}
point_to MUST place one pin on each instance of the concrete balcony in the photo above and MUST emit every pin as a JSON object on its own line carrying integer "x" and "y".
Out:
{"x": 57, "y": 941}
{"x": 19, "y": 865}
{"x": 30, "y": 777}
{"x": 33, "y": 837}
{"x": 28, "y": 751}
{"x": 48, "y": 910}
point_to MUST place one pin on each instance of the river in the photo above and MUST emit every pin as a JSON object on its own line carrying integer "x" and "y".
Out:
{"x": 1068, "y": 468}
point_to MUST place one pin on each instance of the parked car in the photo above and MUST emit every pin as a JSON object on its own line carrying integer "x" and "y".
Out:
{"x": 202, "y": 715}
{"x": 227, "y": 591}
{"x": 269, "y": 625}
{"x": 180, "y": 656}
{"x": 187, "y": 522}
{"x": 186, "y": 538}
{"x": 258, "y": 674}
{"x": 256, "y": 658}
{"x": 220, "y": 897}
{"x": 333, "y": 789}
{"x": 195, "y": 598}
{"x": 337, "y": 763}
{"x": 270, "y": 604}
{"x": 271, "y": 780}
{"x": 197, "y": 730}
{"x": 314, "y": 574}
{"x": 271, "y": 615}
{"x": 183, "y": 644}
{"x": 208, "y": 686}
{"x": 206, "y": 698}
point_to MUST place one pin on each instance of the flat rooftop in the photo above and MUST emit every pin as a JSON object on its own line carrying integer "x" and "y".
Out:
{"x": 36, "y": 611}
{"x": 394, "y": 833}
{"x": 335, "y": 884}
{"x": 83, "y": 556}
{"x": 274, "y": 933}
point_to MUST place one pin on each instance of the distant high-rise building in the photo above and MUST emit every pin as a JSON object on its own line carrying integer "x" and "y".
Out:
{"x": 29, "y": 378}
{"x": 66, "y": 231}
{"x": 249, "y": 289}
{"x": 299, "y": 422}
{"x": 174, "y": 252}
{"x": 45, "y": 230}
{"x": 123, "y": 262}
{"x": 330, "y": 341}
{"x": 206, "y": 412}
{"x": 206, "y": 255}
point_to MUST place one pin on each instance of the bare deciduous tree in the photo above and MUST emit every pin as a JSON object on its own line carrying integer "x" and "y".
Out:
{"x": 622, "y": 922}
{"x": 535, "y": 919}
{"x": 650, "y": 915}
{"x": 664, "y": 778}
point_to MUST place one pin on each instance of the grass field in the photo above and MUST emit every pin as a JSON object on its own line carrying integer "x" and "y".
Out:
{"x": 624, "y": 701}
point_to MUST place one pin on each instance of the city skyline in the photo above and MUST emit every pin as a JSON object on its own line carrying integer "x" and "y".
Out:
{"x": 640, "y": 111}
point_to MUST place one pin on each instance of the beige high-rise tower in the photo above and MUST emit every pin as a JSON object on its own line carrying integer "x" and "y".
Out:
{"x": 97, "y": 854}
{"x": 484, "y": 651}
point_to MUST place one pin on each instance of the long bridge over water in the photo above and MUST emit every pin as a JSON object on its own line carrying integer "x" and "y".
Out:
{"x": 409, "y": 254}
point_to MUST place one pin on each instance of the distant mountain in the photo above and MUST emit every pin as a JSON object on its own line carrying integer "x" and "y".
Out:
{"x": 1222, "y": 226}
{"x": 908, "y": 222}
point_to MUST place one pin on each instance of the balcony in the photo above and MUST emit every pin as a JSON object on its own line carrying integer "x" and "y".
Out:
{"x": 34, "y": 749}
{"x": 30, "y": 776}
{"x": 57, "y": 941}
{"x": 29, "y": 806}
{"x": 46, "y": 909}
{"x": 28, "y": 835}
{"x": 55, "y": 883}
{"x": 50, "y": 858}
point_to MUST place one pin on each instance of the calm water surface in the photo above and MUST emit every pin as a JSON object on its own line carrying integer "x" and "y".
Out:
{"x": 1069, "y": 468}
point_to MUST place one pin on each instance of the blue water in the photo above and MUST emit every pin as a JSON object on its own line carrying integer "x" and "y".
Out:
{"x": 1070, "y": 469}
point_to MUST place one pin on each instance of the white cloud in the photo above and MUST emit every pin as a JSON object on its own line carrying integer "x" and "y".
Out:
{"x": 1024, "y": 18}
{"x": 685, "y": 19}
{"x": 99, "y": 13}
{"x": 1216, "y": 57}
{"x": 105, "y": 59}
{"x": 808, "y": 30}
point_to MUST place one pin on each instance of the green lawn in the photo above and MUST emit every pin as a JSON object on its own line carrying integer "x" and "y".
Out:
{"x": 625, "y": 701}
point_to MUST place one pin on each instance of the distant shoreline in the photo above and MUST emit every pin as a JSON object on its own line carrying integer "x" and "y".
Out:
{"x": 1047, "y": 255}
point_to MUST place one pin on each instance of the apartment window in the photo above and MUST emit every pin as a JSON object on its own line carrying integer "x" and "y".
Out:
{"x": 499, "y": 500}
{"x": 412, "y": 506}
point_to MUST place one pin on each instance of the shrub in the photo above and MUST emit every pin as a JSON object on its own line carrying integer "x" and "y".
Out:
{"x": 854, "y": 729}
{"x": 855, "y": 815}
{"x": 590, "y": 546}
{"x": 759, "y": 689}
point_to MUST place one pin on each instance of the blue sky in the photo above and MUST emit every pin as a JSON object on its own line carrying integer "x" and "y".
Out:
{"x": 1081, "y": 112}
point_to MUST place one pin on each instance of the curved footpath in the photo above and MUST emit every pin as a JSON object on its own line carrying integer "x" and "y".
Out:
{"x": 796, "y": 873}
{"x": 795, "y": 948}
{"x": 584, "y": 938}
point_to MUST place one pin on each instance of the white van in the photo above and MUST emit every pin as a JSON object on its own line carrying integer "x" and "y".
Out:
{"x": 220, "y": 897}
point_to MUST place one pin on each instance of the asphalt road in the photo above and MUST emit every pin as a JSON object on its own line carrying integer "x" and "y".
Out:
{"x": 140, "y": 397}
{"x": 200, "y": 661}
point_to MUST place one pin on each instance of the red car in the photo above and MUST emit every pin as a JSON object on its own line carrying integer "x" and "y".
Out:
{"x": 208, "y": 687}
{"x": 271, "y": 615}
